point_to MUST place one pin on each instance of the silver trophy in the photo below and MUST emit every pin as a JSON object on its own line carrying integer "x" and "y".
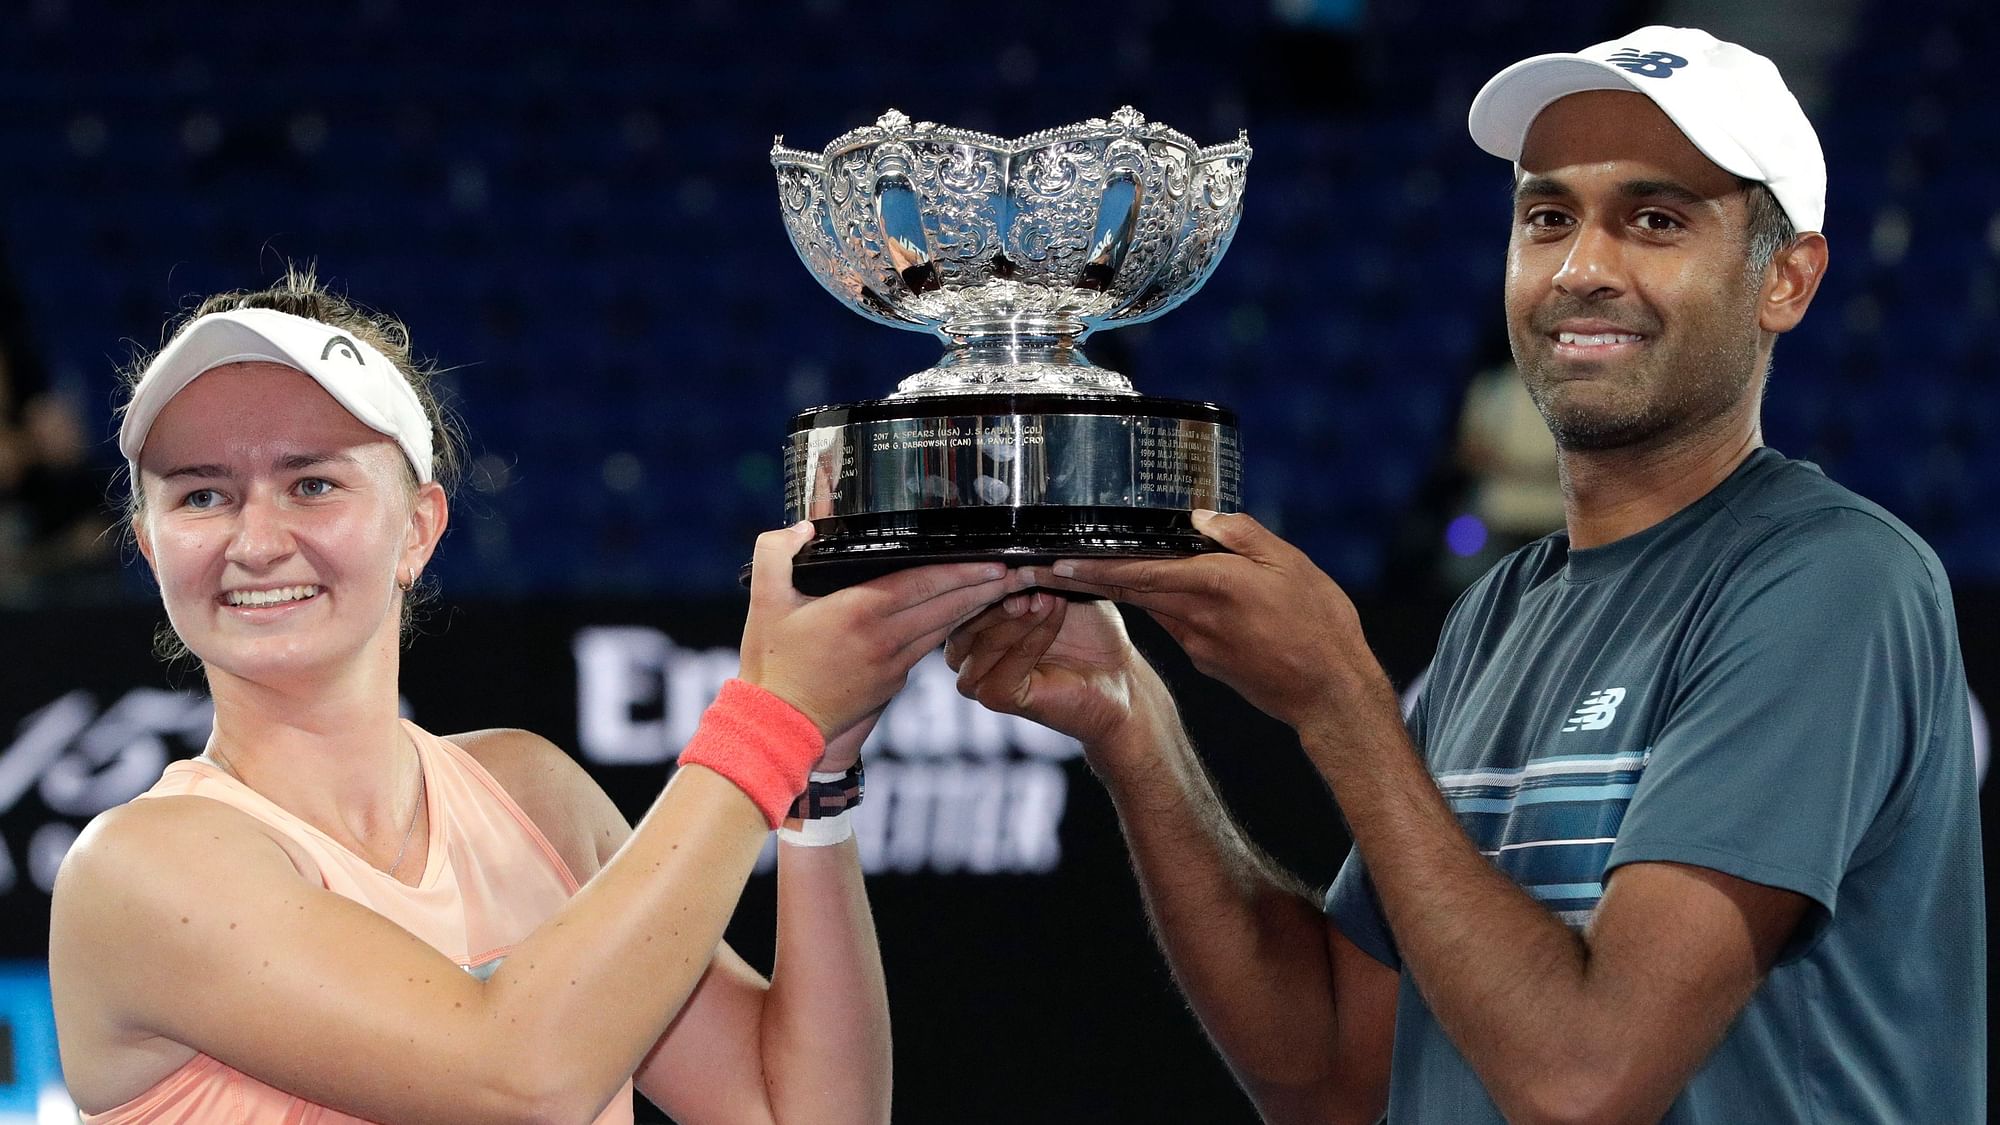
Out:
{"x": 1014, "y": 446}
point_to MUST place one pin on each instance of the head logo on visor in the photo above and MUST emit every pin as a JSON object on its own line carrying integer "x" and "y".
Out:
{"x": 360, "y": 379}
{"x": 353, "y": 352}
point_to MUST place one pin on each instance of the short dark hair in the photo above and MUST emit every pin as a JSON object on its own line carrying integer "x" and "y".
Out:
{"x": 1770, "y": 229}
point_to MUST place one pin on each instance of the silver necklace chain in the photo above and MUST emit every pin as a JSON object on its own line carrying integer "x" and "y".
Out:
{"x": 409, "y": 831}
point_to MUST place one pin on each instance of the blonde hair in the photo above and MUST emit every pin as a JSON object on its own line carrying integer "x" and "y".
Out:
{"x": 301, "y": 293}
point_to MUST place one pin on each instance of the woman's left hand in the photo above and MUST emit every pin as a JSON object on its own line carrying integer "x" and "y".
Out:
{"x": 844, "y": 749}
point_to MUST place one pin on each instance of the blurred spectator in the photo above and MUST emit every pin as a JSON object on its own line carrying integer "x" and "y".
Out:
{"x": 1514, "y": 496}
{"x": 1494, "y": 490}
{"x": 54, "y": 523}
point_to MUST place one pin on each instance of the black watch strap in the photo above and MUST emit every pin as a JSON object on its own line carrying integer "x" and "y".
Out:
{"x": 830, "y": 798}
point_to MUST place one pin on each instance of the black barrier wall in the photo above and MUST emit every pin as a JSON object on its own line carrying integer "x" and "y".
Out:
{"x": 1023, "y": 983}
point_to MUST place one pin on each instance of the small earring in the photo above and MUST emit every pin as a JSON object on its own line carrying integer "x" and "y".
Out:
{"x": 406, "y": 587}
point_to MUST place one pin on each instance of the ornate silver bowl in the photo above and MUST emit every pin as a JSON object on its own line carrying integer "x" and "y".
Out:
{"x": 1012, "y": 251}
{"x": 1014, "y": 446}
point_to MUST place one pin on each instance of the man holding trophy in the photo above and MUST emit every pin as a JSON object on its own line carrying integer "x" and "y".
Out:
{"x": 1683, "y": 825}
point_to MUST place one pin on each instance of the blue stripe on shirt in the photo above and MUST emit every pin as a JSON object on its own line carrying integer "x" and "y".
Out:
{"x": 1550, "y": 830}
{"x": 1558, "y": 821}
{"x": 1547, "y": 892}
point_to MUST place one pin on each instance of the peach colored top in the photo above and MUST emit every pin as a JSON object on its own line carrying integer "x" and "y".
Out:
{"x": 491, "y": 879}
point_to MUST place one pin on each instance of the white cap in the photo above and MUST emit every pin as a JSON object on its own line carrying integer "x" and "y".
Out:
{"x": 1728, "y": 100}
{"x": 359, "y": 378}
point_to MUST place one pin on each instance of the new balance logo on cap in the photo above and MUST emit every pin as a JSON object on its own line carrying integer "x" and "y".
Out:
{"x": 1597, "y": 711}
{"x": 1730, "y": 102}
{"x": 1652, "y": 64}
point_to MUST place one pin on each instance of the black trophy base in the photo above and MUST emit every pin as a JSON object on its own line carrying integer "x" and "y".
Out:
{"x": 1023, "y": 479}
{"x": 847, "y": 550}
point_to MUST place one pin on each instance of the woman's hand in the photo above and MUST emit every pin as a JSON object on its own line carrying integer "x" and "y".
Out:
{"x": 841, "y": 657}
{"x": 844, "y": 748}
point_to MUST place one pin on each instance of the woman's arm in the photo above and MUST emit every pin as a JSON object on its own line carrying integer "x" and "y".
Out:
{"x": 320, "y": 996}
{"x": 819, "y": 1029}
{"x": 316, "y": 994}
{"x": 809, "y": 1045}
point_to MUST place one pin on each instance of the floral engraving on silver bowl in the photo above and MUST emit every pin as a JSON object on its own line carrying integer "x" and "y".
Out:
{"x": 1012, "y": 251}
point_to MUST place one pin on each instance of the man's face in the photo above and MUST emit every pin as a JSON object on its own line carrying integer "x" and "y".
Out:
{"x": 1630, "y": 305}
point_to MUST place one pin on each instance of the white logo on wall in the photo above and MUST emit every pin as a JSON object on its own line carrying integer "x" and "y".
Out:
{"x": 952, "y": 787}
{"x": 1597, "y": 711}
{"x": 83, "y": 761}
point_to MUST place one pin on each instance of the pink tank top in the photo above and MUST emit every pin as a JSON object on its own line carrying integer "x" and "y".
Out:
{"x": 491, "y": 879}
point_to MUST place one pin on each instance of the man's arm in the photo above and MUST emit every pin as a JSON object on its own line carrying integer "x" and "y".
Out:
{"x": 1607, "y": 1025}
{"x": 1300, "y": 1014}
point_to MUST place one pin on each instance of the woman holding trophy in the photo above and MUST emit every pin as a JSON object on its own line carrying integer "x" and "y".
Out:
{"x": 333, "y": 915}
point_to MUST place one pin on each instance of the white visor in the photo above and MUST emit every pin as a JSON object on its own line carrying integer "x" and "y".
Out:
{"x": 360, "y": 379}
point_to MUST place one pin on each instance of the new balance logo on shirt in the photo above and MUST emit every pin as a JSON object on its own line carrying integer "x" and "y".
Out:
{"x": 1597, "y": 711}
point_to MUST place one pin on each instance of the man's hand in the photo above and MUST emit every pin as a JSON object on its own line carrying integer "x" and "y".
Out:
{"x": 1261, "y": 966}
{"x": 1062, "y": 663}
{"x": 1261, "y": 618}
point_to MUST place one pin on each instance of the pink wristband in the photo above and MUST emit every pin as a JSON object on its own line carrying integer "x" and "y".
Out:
{"x": 762, "y": 744}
